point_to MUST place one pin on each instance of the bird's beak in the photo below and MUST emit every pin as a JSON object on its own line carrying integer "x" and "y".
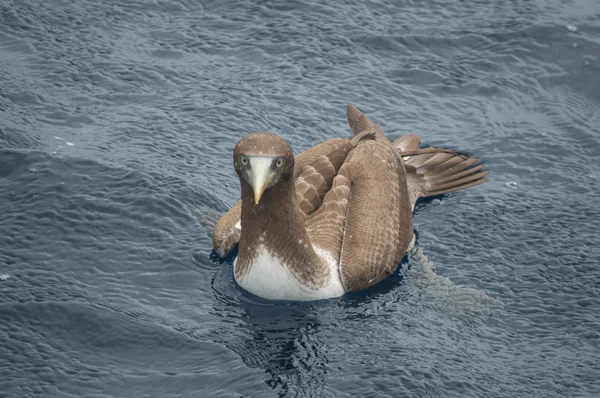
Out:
{"x": 261, "y": 174}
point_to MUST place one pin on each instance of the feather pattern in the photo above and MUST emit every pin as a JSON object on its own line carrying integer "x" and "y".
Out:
{"x": 340, "y": 219}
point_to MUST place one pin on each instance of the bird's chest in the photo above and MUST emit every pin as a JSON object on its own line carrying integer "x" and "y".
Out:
{"x": 269, "y": 276}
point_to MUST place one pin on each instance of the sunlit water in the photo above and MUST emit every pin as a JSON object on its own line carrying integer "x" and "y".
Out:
{"x": 117, "y": 124}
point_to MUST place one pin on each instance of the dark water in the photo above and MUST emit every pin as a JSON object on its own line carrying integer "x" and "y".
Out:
{"x": 117, "y": 122}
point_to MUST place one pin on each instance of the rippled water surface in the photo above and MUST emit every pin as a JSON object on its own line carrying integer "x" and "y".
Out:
{"x": 117, "y": 123}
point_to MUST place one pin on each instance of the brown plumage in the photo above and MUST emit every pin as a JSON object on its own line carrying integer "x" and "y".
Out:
{"x": 324, "y": 159}
{"x": 336, "y": 218}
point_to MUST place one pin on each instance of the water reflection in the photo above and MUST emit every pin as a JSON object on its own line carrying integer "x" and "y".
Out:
{"x": 289, "y": 340}
{"x": 279, "y": 337}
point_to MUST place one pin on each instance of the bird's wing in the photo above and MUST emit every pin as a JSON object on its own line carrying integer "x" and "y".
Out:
{"x": 365, "y": 221}
{"x": 227, "y": 231}
{"x": 359, "y": 123}
{"x": 315, "y": 170}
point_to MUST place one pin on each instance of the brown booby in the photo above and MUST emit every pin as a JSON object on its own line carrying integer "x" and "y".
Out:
{"x": 338, "y": 217}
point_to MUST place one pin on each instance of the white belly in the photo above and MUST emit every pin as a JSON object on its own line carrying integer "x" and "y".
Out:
{"x": 270, "y": 279}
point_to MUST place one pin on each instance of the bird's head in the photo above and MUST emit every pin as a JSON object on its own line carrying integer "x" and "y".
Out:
{"x": 263, "y": 160}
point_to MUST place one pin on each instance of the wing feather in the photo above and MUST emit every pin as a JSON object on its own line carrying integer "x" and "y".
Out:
{"x": 225, "y": 234}
{"x": 359, "y": 123}
{"x": 365, "y": 221}
{"x": 378, "y": 225}
{"x": 325, "y": 227}
{"x": 407, "y": 142}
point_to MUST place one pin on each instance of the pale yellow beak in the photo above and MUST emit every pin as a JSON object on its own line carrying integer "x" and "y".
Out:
{"x": 261, "y": 174}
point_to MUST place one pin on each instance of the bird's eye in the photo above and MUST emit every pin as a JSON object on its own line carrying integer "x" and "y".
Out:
{"x": 244, "y": 160}
{"x": 279, "y": 163}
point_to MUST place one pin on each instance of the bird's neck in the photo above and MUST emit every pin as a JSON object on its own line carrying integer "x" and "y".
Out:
{"x": 276, "y": 226}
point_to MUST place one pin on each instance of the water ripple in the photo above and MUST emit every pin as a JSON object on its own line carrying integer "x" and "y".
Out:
{"x": 117, "y": 123}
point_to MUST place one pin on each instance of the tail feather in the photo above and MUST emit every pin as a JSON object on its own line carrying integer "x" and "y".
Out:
{"x": 457, "y": 176}
{"x": 429, "y": 171}
{"x": 460, "y": 166}
{"x": 450, "y": 165}
{"x": 408, "y": 142}
{"x": 457, "y": 188}
{"x": 430, "y": 162}
{"x": 458, "y": 183}
{"x": 434, "y": 171}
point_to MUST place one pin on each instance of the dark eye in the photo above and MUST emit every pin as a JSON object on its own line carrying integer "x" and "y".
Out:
{"x": 244, "y": 160}
{"x": 279, "y": 163}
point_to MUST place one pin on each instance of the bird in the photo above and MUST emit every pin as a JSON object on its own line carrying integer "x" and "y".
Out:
{"x": 337, "y": 218}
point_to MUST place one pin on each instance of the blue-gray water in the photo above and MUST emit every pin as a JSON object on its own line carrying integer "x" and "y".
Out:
{"x": 117, "y": 122}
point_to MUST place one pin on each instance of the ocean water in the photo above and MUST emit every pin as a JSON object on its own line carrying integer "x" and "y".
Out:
{"x": 117, "y": 123}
